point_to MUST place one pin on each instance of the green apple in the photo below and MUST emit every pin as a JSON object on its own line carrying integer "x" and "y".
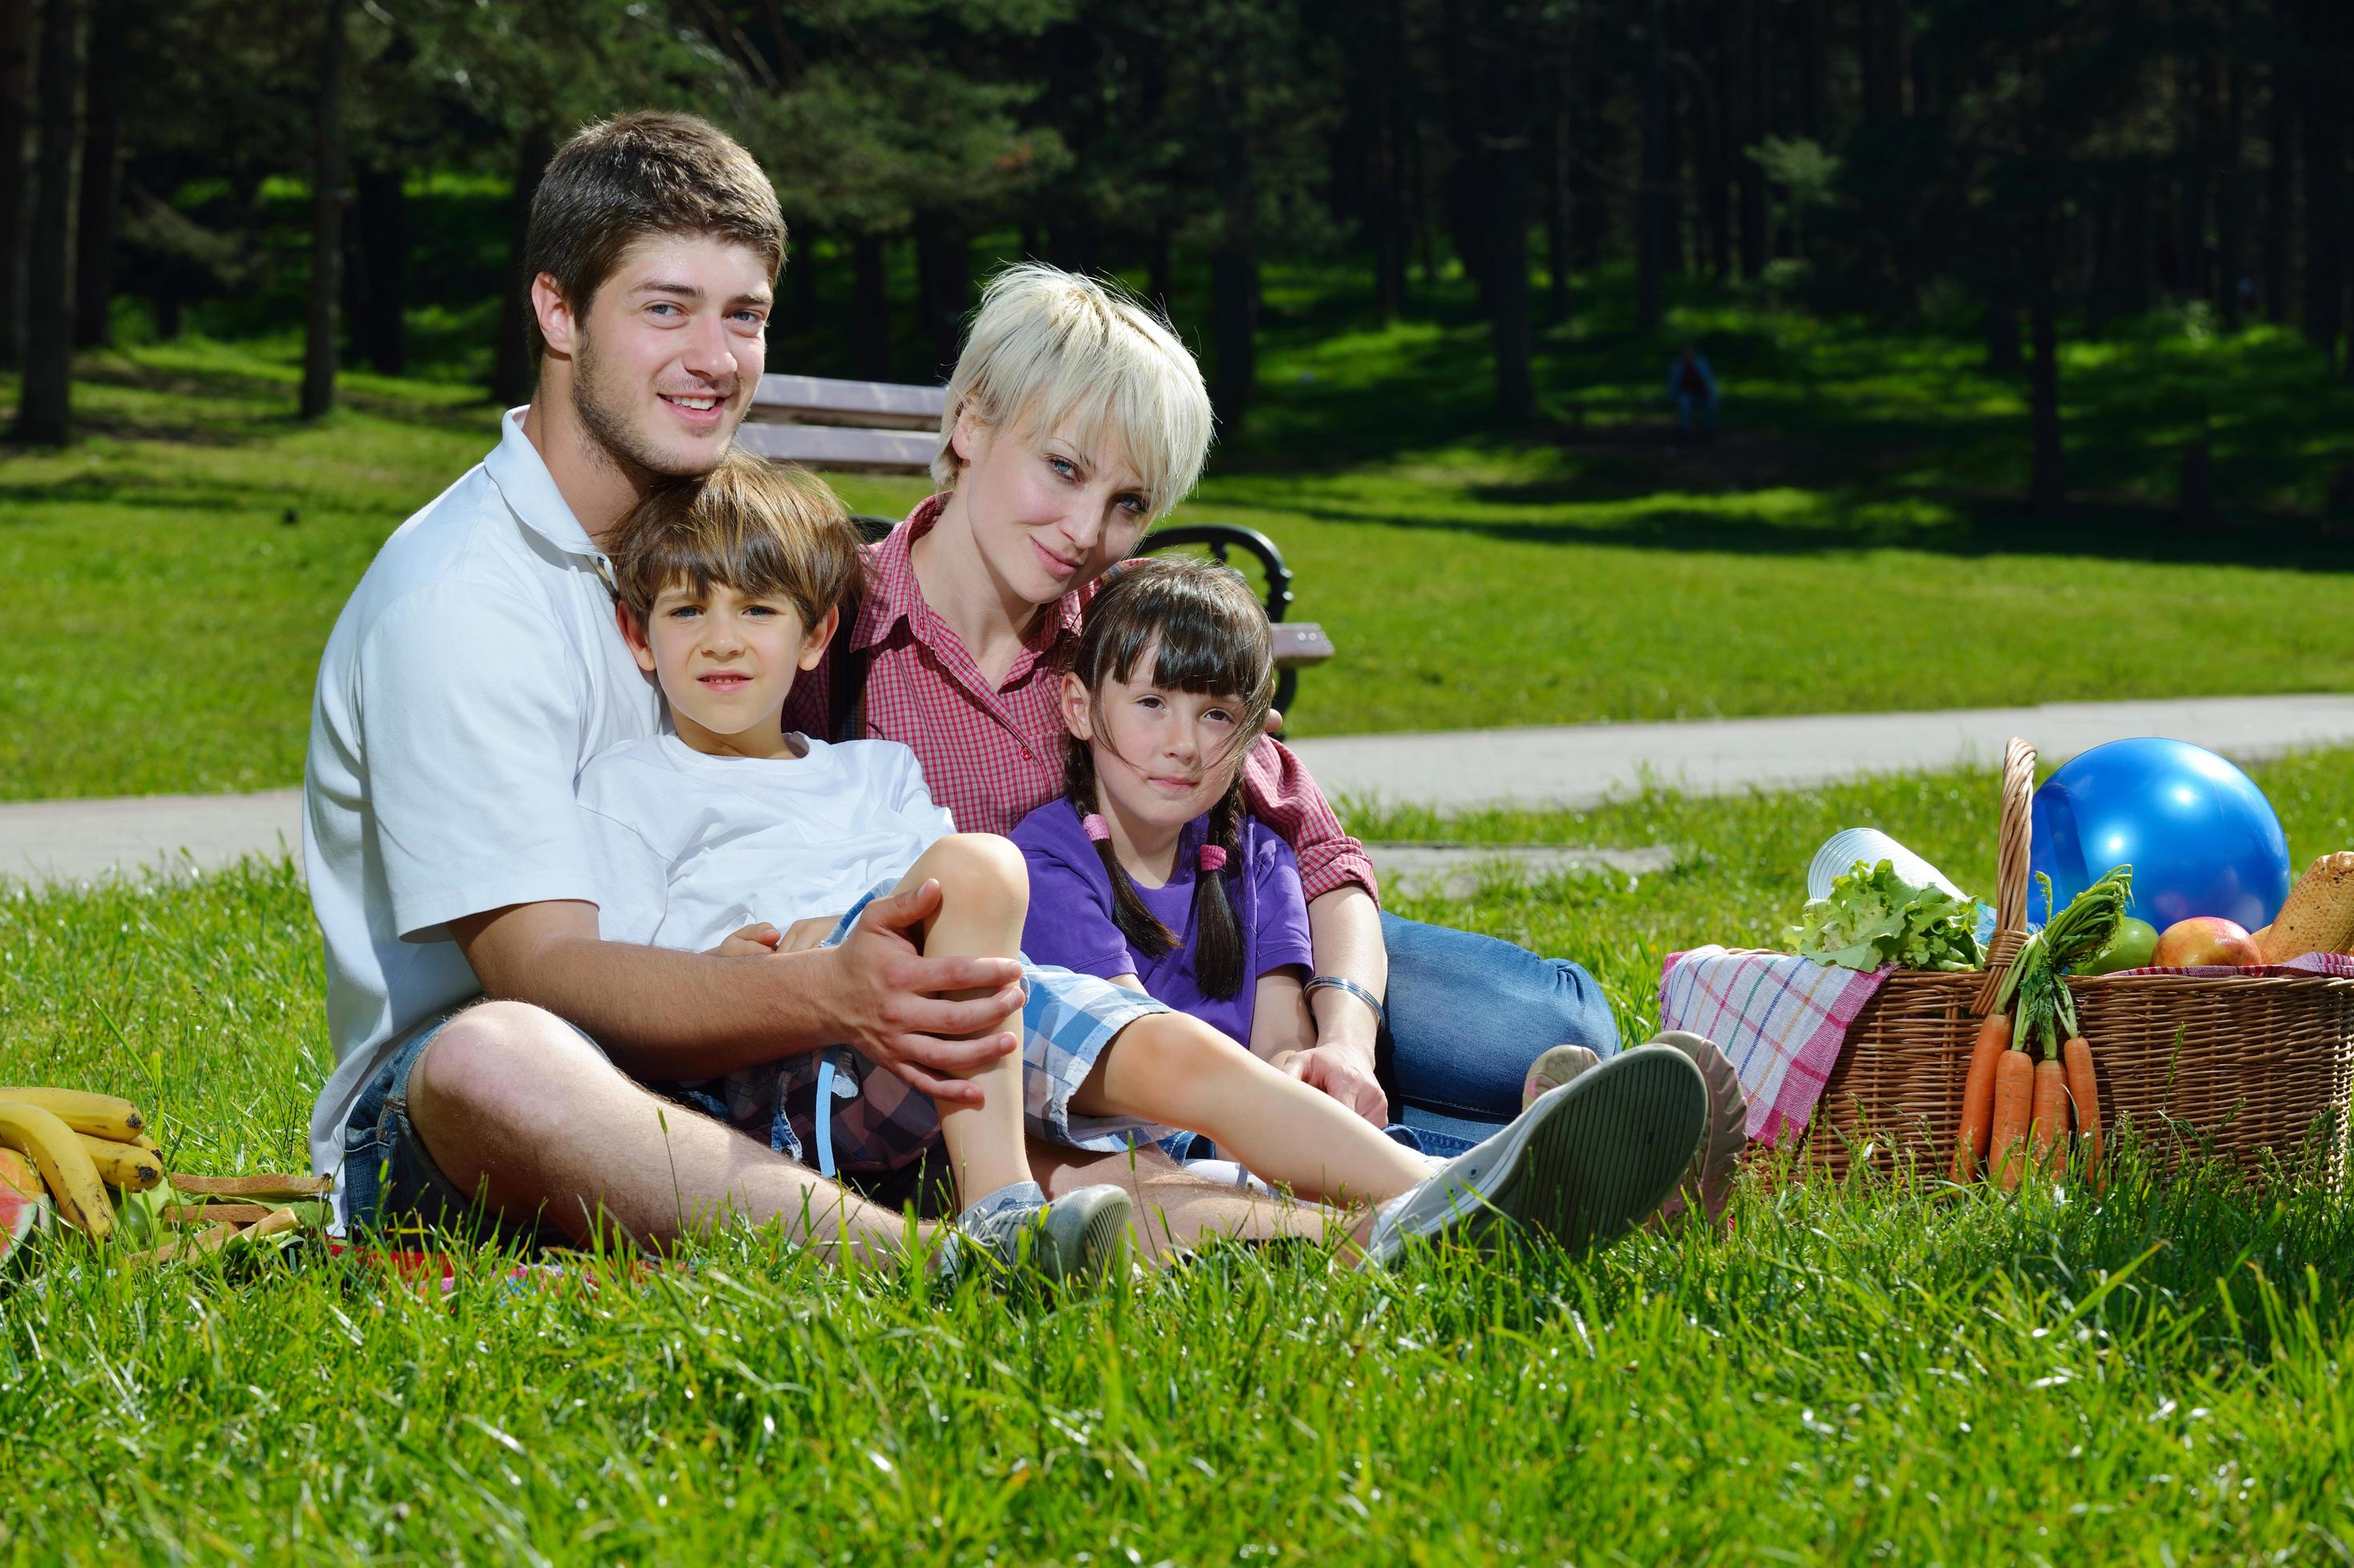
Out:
{"x": 2130, "y": 949}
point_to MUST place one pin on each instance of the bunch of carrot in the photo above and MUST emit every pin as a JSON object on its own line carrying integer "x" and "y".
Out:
{"x": 2012, "y": 1104}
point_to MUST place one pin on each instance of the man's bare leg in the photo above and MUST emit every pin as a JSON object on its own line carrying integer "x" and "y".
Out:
{"x": 984, "y": 898}
{"x": 1176, "y": 1211}
{"x": 512, "y": 1105}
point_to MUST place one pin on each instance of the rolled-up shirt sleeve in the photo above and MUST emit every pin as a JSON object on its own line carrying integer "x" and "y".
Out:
{"x": 470, "y": 709}
{"x": 1281, "y": 794}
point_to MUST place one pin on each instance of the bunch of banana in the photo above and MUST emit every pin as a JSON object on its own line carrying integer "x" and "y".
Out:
{"x": 80, "y": 1143}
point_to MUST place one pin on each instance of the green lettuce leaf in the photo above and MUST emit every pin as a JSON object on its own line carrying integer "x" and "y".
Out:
{"x": 1873, "y": 917}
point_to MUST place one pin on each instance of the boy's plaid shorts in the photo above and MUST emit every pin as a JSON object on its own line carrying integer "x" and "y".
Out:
{"x": 1067, "y": 1018}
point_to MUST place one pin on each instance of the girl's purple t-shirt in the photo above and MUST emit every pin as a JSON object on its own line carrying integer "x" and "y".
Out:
{"x": 1071, "y": 922}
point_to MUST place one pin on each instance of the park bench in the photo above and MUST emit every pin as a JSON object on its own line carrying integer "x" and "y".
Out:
{"x": 878, "y": 426}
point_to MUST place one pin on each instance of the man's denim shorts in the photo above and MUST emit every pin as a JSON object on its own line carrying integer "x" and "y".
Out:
{"x": 390, "y": 1183}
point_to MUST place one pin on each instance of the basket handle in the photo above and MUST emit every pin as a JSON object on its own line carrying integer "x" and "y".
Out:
{"x": 2012, "y": 842}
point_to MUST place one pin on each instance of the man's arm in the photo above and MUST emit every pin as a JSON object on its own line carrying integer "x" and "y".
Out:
{"x": 665, "y": 1015}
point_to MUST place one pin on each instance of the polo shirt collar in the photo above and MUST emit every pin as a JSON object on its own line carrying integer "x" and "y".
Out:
{"x": 521, "y": 473}
{"x": 896, "y": 596}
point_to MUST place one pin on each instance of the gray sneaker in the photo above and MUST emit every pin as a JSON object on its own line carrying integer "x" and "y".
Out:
{"x": 1015, "y": 1229}
{"x": 1709, "y": 1180}
{"x": 1579, "y": 1167}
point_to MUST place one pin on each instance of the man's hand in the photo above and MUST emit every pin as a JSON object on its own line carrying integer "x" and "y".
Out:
{"x": 1345, "y": 1074}
{"x": 891, "y": 1001}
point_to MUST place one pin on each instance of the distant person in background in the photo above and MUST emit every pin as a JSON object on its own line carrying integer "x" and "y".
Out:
{"x": 1691, "y": 387}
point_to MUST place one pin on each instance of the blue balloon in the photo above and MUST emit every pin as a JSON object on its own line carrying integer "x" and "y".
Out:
{"x": 2201, "y": 837}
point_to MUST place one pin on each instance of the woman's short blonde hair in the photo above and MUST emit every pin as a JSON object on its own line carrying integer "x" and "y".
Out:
{"x": 1051, "y": 350}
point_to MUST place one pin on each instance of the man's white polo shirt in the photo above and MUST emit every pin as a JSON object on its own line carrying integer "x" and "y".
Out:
{"x": 476, "y": 671}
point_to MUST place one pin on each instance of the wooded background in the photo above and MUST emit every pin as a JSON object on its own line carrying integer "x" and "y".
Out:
{"x": 2050, "y": 165}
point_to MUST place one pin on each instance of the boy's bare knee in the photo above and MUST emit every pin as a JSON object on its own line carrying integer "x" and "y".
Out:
{"x": 981, "y": 875}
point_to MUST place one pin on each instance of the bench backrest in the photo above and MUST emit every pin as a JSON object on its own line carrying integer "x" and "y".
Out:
{"x": 865, "y": 426}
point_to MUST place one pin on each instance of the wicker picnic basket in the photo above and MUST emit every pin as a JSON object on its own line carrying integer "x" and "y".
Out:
{"x": 2262, "y": 1072}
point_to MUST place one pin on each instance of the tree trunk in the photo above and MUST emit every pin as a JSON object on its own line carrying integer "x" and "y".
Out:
{"x": 1233, "y": 327}
{"x": 45, "y": 407}
{"x": 1673, "y": 149}
{"x": 16, "y": 122}
{"x": 2280, "y": 192}
{"x": 1757, "y": 124}
{"x": 1386, "y": 202}
{"x": 1507, "y": 189}
{"x": 328, "y": 198}
{"x": 943, "y": 271}
{"x": 101, "y": 185}
{"x": 1650, "y": 201}
{"x": 513, "y": 366}
{"x": 1713, "y": 140}
{"x": 2002, "y": 354}
{"x": 2047, "y": 481}
{"x": 378, "y": 294}
{"x": 870, "y": 310}
{"x": 801, "y": 283}
{"x": 2325, "y": 156}
{"x": 2191, "y": 280}
{"x": 1466, "y": 209}
{"x": 1553, "y": 124}
{"x": 1814, "y": 68}
{"x": 2232, "y": 205}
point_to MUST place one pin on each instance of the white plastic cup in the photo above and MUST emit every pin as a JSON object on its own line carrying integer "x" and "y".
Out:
{"x": 1843, "y": 849}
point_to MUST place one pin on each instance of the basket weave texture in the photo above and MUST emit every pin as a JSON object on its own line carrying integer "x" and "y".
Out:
{"x": 2247, "y": 1067}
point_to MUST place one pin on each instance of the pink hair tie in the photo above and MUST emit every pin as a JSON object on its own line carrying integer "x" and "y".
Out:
{"x": 1095, "y": 828}
{"x": 1213, "y": 858}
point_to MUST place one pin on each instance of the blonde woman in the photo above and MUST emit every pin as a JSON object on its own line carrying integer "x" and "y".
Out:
{"x": 1074, "y": 419}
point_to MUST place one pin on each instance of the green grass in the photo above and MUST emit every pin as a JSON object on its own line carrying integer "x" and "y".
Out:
{"x": 1852, "y": 541}
{"x": 2151, "y": 1376}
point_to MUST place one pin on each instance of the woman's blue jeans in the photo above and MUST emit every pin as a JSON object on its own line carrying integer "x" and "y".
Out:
{"x": 1467, "y": 1015}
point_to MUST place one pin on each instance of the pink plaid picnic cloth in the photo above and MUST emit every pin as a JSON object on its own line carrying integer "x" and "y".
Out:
{"x": 1780, "y": 1019}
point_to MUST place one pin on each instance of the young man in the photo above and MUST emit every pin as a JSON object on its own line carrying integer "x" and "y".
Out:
{"x": 476, "y": 669}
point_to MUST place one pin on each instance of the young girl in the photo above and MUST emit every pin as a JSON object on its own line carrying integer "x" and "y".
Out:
{"x": 1151, "y": 872}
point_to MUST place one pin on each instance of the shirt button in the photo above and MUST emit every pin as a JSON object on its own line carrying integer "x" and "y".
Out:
{"x": 1026, "y": 756}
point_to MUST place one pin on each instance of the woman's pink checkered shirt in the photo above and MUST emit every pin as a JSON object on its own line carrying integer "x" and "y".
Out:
{"x": 993, "y": 755}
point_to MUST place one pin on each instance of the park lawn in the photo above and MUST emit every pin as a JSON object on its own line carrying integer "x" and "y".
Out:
{"x": 2150, "y": 1375}
{"x": 1852, "y": 540}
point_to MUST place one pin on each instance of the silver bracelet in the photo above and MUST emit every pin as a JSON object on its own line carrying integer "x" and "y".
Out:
{"x": 1342, "y": 982}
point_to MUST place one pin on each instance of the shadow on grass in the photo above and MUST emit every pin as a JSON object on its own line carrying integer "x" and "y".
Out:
{"x": 2122, "y": 529}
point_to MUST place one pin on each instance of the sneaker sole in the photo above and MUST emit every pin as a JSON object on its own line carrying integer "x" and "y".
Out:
{"x": 1710, "y": 1177}
{"x": 1085, "y": 1234}
{"x": 1594, "y": 1156}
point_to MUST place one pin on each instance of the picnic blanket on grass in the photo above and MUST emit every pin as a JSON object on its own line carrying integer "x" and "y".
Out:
{"x": 1779, "y": 1018}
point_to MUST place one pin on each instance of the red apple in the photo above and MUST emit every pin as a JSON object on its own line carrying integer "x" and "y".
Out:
{"x": 2205, "y": 939}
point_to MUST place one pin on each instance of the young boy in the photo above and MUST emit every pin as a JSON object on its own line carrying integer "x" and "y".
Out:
{"x": 716, "y": 836}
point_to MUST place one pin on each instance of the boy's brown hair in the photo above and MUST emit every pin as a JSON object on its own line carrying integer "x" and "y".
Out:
{"x": 768, "y": 530}
{"x": 636, "y": 175}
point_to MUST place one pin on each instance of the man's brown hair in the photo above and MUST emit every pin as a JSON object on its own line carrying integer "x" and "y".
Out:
{"x": 636, "y": 175}
{"x": 766, "y": 530}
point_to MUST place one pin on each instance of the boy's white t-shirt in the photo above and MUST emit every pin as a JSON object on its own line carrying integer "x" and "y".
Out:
{"x": 684, "y": 847}
{"x": 473, "y": 673}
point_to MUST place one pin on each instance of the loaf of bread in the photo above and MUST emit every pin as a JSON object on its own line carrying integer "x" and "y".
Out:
{"x": 2318, "y": 917}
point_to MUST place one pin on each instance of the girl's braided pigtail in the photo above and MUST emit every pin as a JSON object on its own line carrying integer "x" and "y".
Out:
{"x": 1218, "y": 949}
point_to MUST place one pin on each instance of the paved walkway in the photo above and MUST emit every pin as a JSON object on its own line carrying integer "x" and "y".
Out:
{"x": 1569, "y": 766}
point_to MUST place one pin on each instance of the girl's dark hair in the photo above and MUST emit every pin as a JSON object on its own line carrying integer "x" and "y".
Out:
{"x": 1205, "y": 633}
